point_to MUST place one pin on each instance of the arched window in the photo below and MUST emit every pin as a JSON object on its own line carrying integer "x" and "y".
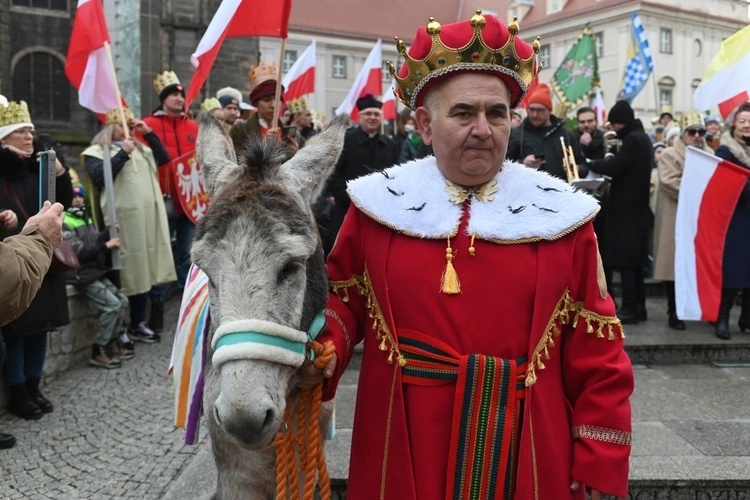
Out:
{"x": 39, "y": 79}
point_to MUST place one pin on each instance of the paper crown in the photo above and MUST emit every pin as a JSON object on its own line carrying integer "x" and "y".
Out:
{"x": 692, "y": 119}
{"x": 210, "y": 104}
{"x": 165, "y": 80}
{"x": 317, "y": 115}
{"x": 263, "y": 72}
{"x": 298, "y": 105}
{"x": 15, "y": 113}
{"x": 113, "y": 116}
{"x": 439, "y": 50}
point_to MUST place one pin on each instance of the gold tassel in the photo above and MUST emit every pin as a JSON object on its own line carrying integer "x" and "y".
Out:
{"x": 472, "y": 250}
{"x": 449, "y": 283}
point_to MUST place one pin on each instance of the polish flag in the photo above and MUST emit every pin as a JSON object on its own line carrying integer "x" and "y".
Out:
{"x": 599, "y": 110}
{"x": 236, "y": 18}
{"x": 369, "y": 81}
{"x": 300, "y": 79}
{"x": 726, "y": 83}
{"x": 709, "y": 190}
{"x": 389, "y": 102}
{"x": 87, "y": 65}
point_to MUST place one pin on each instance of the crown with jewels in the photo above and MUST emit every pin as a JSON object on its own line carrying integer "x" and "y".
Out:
{"x": 210, "y": 104}
{"x": 262, "y": 73}
{"x": 113, "y": 116}
{"x": 298, "y": 105}
{"x": 692, "y": 119}
{"x": 474, "y": 55}
{"x": 165, "y": 80}
{"x": 14, "y": 113}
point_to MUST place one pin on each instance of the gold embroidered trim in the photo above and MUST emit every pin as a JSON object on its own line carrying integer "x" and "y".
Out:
{"x": 387, "y": 447}
{"x": 567, "y": 312}
{"x": 602, "y": 434}
{"x": 382, "y": 333}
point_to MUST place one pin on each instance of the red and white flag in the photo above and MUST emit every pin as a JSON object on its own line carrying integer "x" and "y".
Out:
{"x": 236, "y": 18}
{"x": 599, "y": 110}
{"x": 709, "y": 190}
{"x": 389, "y": 102}
{"x": 368, "y": 81}
{"x": 87, "y": 66}
{"x": 300, "y": 79}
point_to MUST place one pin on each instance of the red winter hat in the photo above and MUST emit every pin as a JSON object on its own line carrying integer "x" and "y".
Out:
{"x": 542, "y": 95}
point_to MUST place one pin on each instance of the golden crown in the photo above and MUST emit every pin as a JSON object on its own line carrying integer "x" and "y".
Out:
{"x": 14, "y": 113}
{"x": 113, "y": 116}
{"x": 165, "y": 80}
{"x": 317, "y": 115}
{"x": 692, "y": 119}
{"x": 210, "y": 104}
{"x": 262, "y": 73}
{"x": 474, "y": 55}
{"x": 298, "y": 105}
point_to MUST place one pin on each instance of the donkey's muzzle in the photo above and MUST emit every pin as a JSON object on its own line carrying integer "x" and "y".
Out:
{"x": 252, "y": 425}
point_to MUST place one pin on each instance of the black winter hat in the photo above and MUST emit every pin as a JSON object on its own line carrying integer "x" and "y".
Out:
{"x": 622, "y": 113}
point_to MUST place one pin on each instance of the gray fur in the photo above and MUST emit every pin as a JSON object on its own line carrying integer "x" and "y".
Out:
{"x": 260, "y": 248}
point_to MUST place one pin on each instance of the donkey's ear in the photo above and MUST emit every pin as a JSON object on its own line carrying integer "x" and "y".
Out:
{"x": 310, "y": 168}
{"x": 215, "y": 153}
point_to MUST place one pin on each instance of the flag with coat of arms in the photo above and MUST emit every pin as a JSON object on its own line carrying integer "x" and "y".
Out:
{"x": 640, "y": 64}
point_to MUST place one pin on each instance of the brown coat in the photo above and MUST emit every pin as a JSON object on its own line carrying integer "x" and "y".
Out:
{"x": 670, "y": 167}
{"x": 24, "y": 260}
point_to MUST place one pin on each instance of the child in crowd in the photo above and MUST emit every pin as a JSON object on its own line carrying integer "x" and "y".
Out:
{"x": 91, "y": 247}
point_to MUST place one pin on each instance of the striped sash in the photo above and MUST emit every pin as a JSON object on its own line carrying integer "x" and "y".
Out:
{"x": 487, "y": 413}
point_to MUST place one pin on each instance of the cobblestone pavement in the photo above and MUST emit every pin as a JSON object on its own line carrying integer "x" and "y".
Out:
{"x": 110, "y": 436}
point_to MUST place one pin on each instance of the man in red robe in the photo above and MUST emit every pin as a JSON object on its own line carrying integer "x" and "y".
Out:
{"x": 493, "y": 362}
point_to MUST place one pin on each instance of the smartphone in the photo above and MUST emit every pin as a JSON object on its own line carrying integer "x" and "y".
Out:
{"x": 290, "y": 131}
{"x": 47, "y": 177}
{"x": 45, "y": 141}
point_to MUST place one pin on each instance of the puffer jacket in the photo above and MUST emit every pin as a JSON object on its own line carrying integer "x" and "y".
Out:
{"x": 89, "y": 245}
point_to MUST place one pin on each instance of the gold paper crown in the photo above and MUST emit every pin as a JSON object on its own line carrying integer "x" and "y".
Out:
{"x": 165, "y": 80}
{"x": 692, "y": 119}
{"x": 262, "y": 73}
{"x": 317, "y": 115}
{"x": 14, "y": 113}
{"x": 474, "y": 55}
{"x": 298, "y": 105}
{"x": 113, "y": 116}
{"x": 210, "y": 104}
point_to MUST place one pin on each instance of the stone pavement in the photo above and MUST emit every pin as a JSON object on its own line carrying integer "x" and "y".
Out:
{"x": 111, "y": 434}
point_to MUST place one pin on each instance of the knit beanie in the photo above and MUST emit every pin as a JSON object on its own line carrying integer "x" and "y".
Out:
{"x": 542, "y": 95}
{"x": 621, "y": 113}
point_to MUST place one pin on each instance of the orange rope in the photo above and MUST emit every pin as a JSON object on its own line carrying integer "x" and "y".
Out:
{"x": 301, "y": 449}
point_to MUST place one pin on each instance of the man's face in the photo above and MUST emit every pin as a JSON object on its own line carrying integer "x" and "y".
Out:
{"x": 468, "y": 127}
{"x": 369, "y": 120}
{"x": 265, "y": 108}
{"x": 539, "y": 115}
{"x": 694, "y": 136}
{"x": 516, "y": 120}
{"x": 173, "y": 103}
{"x": 618, "y": 126}
{"x": 303, "y": 119}
{"x": 231, "y": 113}
{"x": 587, "y": 122}
{"x": 665, "y": 120}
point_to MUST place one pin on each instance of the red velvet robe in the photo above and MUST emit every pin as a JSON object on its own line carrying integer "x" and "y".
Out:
{"x": 515, "y": 299}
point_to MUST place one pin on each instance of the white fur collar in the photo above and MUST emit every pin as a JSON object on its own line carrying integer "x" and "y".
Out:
{"x": 529, "y": 206}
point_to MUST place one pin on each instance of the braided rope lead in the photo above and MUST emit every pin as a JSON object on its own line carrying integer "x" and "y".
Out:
{"x": 304, "y": 444}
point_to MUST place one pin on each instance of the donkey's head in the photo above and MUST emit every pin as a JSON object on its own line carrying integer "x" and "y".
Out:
{"x": 259, "y": 246}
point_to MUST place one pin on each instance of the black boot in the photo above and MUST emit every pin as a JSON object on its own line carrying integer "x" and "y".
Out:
{"x": 744, "y": 322}
{"x": 32, "y": 385}
{"x": 19, "y": 403}
{"x": 6, "y": 441}
{"x": 722, "y": 323}
{"x": 156, "y": 320}
{"x": 673, "y": 321}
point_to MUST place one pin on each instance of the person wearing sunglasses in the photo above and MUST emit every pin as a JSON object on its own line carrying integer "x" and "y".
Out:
{"x": 670, "y": 166}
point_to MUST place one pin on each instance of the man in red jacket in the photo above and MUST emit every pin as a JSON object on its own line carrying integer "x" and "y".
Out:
{"x": 178, "y": 134}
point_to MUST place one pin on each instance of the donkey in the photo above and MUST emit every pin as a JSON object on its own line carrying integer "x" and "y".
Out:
{"x": 259, "y": 246}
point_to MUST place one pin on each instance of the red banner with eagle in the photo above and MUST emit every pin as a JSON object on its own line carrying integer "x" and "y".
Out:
{"x": 191, "y": 190}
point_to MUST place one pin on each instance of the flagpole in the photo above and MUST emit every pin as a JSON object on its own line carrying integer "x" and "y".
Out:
{"x": 118, "y": 95}
{"x": 656, "y": 95}
{"x": 277, "y": 98}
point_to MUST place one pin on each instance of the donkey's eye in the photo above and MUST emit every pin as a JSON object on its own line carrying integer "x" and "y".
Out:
{"x": 290, "y": 268}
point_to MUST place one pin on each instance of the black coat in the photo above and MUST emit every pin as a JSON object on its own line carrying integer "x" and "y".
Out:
{"x": 49, "y": 309}
{"x": 628, "y": 216}
{"x": 595, "y": 149}
{"x": 528, "y": 139}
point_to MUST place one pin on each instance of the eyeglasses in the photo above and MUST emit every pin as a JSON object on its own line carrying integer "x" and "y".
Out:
{"x": 537, "y": 110}
{"x": 24, "y": 131}
{"x": 696, "y": 131}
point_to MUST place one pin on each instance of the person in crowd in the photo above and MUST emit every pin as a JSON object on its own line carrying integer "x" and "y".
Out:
{"x": 24, "y": 261}
{"x": 26, "y": 336}
{"x": 414, "y": 147}
{"x": 735, "y": 147}
{"x": 670, "y": 166}
{"x": 536, "y": 143}
{"x": 713, "y": 132}
{"x": 665, "y": 119}
{"x": 659, "y": 147}
{"x": 627, "y": 210}
{"x": 213, "y": 106}
{"x": 302, "y": 118}
{"x": 145, "y": 249}
{"x": 111, "y": 305}
{"x": 516, "y": 120}
{"x": 366, "y": 150}
{"x": 178, "y": 133}
{"x": 231, "y": 102}
{"x": 670, "y": 135}
{"x": 286, "y": 116}
{"x": 405, "y": 116}
{"x": 420, "y": 271}
{"x": 588, "y": 135}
